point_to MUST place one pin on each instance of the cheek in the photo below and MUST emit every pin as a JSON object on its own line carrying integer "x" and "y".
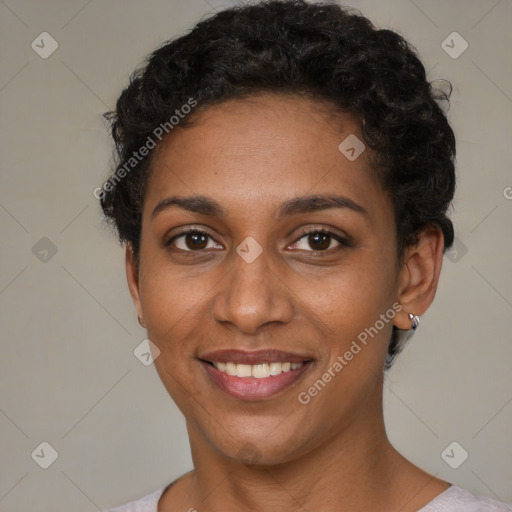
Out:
{"x": 174, "y": 309}
{"x": 348, "y": 315}
{"x": 350, "y": 298}
{"x": 172, "y": 302}
{"x": 347, "y": 308}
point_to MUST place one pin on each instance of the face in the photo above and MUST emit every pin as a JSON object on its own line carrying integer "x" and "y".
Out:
{"x": 265, "y": 255}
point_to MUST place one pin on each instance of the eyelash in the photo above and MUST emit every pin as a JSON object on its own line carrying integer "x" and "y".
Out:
{"x": 344, "y": 242}
{"x": 186, "y": 232}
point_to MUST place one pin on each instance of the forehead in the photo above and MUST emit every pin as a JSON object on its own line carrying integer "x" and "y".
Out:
{"x": 256, "y": 152}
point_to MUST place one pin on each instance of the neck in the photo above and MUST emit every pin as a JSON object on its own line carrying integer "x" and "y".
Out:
{"x": 353, "y": 469}
{"x": 356, "y": 468}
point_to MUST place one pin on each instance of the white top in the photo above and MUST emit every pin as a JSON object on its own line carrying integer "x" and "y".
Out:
{"x": 454, "y": 499}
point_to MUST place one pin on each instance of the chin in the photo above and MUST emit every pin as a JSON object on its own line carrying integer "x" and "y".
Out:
{"x": 262, "y": 443}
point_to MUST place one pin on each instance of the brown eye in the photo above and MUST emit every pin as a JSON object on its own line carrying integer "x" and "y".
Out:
{"x": 193, "y": 240}
{"x": 196, "y": 240}
{"x": 319, "y": 240}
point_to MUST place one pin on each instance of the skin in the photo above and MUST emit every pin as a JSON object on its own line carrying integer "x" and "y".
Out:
{"x": 333, "y": 453}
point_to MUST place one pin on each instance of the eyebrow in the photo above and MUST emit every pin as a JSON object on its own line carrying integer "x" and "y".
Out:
{"x": 304, "y": 204}
{"x": 196, "y": 204}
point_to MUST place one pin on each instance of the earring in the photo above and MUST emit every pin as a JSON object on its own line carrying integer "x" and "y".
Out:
{"x": 415, "y": 321}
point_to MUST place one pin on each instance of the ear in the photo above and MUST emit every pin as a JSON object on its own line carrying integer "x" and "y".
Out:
{"x": 132, "y": 276}
{"x": 419, "y": 275}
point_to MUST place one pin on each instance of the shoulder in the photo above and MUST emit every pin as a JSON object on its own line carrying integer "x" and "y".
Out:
{"x": 148, "y": 503}
{"x": 456, "y": 499}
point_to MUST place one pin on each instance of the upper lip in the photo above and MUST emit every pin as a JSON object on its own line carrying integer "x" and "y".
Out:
{"x": 253, "y": 357}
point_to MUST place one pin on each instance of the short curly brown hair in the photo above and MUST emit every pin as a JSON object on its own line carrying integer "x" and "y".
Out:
{"x": 321, "y": 50}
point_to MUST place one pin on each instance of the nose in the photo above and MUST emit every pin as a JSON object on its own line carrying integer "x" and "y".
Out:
{"x": 252, "y": 296}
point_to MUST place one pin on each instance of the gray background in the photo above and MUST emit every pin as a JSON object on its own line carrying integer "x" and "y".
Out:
{"x": 68, "y": 329}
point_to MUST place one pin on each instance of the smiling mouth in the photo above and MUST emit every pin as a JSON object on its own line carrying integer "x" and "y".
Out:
{"x": 257, "y": 371}
{"x": 255, "y": 375}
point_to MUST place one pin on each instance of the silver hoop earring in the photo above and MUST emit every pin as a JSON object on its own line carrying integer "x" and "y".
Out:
{"x": 415, "y": 321}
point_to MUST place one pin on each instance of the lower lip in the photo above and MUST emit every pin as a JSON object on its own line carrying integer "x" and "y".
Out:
{"x": 250, "y": 388}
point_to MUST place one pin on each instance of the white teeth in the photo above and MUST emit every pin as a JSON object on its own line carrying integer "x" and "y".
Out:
{"x": 230, "y": 369}
{"x": 275, "y": 368}
{"x": 258, "y": 371}
{"x": 243, "y": 370}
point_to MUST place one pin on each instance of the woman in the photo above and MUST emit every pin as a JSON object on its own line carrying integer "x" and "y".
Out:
{"x": 283, "y": 176}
